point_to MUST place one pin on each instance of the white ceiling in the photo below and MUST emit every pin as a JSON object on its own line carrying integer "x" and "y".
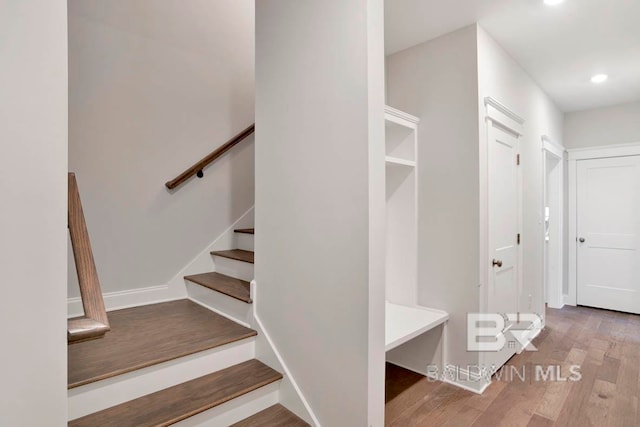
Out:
{"x": 561, "y": 47}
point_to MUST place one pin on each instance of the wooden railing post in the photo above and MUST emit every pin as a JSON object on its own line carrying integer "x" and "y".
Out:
{"x": 95, "y": 323}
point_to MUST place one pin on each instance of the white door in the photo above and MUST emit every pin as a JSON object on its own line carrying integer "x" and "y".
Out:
{"x": 608, "y": 230}
{"x": 503, "y": 221}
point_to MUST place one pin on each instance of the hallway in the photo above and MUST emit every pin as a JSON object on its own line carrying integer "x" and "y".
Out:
{"x": 607, "y": 346}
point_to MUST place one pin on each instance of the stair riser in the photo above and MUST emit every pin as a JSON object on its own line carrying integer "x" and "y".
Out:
{"x": 104, "y": 394}
{"x": 231, "y": 308}
{"x": 237, "y": 409}
{"x": 234, "y": 268}
{"x": 244, "y": 241}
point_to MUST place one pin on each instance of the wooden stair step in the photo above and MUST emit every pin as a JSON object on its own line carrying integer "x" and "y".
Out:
{"x": 148, "y": 335}
{"x": 237, "y": 254}
{"x": 182, "y": 401}
{"x": 235, "y": 288}
{"x": 276, "y": 415}
{"x": 245, "y": 230}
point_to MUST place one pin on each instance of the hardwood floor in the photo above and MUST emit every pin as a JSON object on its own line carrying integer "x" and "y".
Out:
{"x": 276, "y": 415}
{"x": 235, "y": 288}
{"x": 168, "y": 406}
{"x": 148, "y": 335}
{"x": 605, "y": 344}
{"x": 237, "y": 254}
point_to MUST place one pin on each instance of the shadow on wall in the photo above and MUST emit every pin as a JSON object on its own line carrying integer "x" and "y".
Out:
{"x": 153, "y": 89}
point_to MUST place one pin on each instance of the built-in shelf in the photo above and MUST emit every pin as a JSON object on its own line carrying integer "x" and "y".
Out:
{"x": 399, "y": 162}
{"x": 403, "y": 323}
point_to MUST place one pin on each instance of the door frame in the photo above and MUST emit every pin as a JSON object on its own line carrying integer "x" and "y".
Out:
{"x": 575, "y": 155}
{"x": 498, "y": 115}
{"x": 553, "y": 297}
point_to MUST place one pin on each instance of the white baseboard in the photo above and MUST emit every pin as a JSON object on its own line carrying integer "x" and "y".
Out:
{"x": 465, "y": 379}
{"x": 175, "y": 288}
{"x": 124, "y": 299}
{"x": 291, "y": 395}
{"x": 568, "y": 300}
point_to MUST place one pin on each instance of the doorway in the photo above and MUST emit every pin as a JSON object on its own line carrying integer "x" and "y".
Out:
{"x": 552, "y": 213}
{"x": 605, "y": 228}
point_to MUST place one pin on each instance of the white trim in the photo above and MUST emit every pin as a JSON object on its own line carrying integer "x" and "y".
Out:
{"x": 475, "y": 383}
{"x": 175, "y": 288}
{"x": 286, "y": 370}
{"x": 575, "y": 155}
{"x": 572, "y": 262}
{"x": 391, "y": 113}
{"x": 399, "y": 162}
{"x": 552, "y": 147}
{"x": 618, "y": 150}
{"x": 555, "y": 300}
{"x": 503, "y": 109}
{"x": 124, "y": 299}
{"x": 503, "y": 117}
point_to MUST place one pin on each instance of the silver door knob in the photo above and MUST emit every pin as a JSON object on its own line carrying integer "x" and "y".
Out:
{"x": 581, "y": 240}
{"x": 497, "y": 262}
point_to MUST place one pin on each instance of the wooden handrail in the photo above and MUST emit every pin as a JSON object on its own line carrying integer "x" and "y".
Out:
{"x": 95, "y": 323}
{"x": 197, "y": 169}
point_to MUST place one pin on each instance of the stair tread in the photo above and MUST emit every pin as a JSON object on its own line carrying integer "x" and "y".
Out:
{"x": 276, "y": 415}
{"x": 237, "y": 254}
{"x": 245, "y": 230}
{"x": 184, "y": 400}
{"x": 148, "y": 335}
{"x": 235, "y": 288}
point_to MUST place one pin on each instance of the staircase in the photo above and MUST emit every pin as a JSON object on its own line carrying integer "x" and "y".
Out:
{"x": 188, "y": 362}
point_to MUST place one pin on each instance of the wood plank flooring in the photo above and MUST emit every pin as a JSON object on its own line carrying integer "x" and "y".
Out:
{"x": 605, "y": 344}
{"x": 179, "y": 402}
{"x": 235, "y": 288}
{"x": 276, "y": 415}
{"x": 147, "y": 335}
{"x": 237, "y": 254}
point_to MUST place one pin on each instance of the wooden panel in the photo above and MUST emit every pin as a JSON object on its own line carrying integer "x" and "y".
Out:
{"x": 182, "y": 401}
{"x": 277, "y": 415}
{"x": 245, "y": 230}
{"x": 237, "y": 254}
{"x": 235, "y": 288}
{"x": 210, "y": 158}
{"x": 95, "y": 322}
{"x": 148, "y": 335}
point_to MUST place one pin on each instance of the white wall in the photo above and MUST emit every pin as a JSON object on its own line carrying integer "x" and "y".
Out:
{"x": 603, "y": 126}
{"x": 154, "y": 86}
{"x": 33, "y": 218}
{"x": 437, "y": 82}
{"x": 444, "y": 82}
{"x": 320, "y": 124}
{"x": 502, "y": 78}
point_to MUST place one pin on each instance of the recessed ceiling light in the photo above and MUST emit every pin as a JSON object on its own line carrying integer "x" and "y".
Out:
{"x": 599, "y": 78}
{"x": 553, "y": 2}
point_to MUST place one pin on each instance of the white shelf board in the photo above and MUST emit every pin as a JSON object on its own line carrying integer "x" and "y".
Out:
{"x": 404, "y": 323}
{"x": 400, "y": 162}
